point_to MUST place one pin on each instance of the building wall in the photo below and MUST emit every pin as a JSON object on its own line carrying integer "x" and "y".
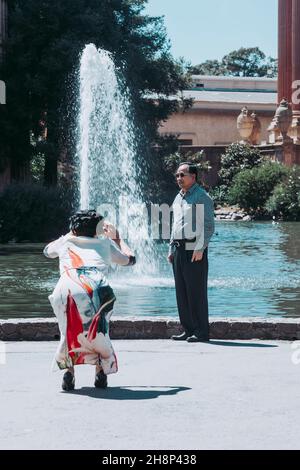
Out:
{"x": 210, "y": 127}
{"x": 252, "y": 84}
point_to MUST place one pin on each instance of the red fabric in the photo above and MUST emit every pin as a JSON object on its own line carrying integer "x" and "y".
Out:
{"x": 93, "y": 329}
{"x": 74, "y": 328}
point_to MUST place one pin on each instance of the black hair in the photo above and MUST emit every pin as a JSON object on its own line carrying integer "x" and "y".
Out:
{"x": 193, "y": 169}
{"x": 84, "y": 223}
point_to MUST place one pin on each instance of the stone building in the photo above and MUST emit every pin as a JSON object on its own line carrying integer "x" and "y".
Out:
{"x": 217, "y": 102}
{"x": 214, "y": 121}
{"x": 216, "y": 117}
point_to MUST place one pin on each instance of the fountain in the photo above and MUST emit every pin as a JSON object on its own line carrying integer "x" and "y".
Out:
{"x": 107, "y": 151}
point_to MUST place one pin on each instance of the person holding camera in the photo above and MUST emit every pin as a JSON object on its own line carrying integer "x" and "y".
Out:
{"x": 82, "y": 299}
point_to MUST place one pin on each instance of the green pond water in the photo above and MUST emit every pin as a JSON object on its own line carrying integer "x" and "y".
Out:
{"x": 254, "y": 271}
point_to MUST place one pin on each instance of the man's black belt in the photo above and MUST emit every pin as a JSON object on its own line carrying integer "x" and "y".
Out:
{"x": 183, "y": 241}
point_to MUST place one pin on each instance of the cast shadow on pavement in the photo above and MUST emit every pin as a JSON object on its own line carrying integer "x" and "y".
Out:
{"x": 128, "y": 392}
{"x": 244, "y": 345}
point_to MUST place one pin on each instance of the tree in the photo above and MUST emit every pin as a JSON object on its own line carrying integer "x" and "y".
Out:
{"x": 31, "y": 212}
{"x": 45, "y": 40}
{"x": 272, "y": 67}
{"x": 245, "y": 62}
{"x": 209, "y": 67}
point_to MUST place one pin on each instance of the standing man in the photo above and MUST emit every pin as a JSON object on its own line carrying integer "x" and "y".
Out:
{"x": 189, "y": 255}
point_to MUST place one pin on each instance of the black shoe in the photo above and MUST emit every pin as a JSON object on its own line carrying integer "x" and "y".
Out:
{"x": 197, "y": 339}
{"x": 182, "y": 337}
{"x": 100, "y": 380}
{"x": 68, "y": 382}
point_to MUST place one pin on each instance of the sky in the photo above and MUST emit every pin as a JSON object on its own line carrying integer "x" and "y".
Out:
{"x": 209, "y": 29}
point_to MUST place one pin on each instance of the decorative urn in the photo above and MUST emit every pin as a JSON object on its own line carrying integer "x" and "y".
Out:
{"x": 255, "y": 136}
{"x": 283, "y": 118}
{"x": 245, "y": 125}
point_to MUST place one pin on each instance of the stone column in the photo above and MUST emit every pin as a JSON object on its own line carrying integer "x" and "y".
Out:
{"x": 295, "y": 127}
{"x": 285, "y": 11}
{"x": 3, "y": 24}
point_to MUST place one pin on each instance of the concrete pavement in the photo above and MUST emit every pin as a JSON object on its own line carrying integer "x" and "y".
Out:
{"x": 167, "y": 395}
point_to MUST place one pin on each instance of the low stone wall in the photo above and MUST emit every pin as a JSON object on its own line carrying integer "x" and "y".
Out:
{"x": 232, "y": 214}
{"x": 47, "y": 329}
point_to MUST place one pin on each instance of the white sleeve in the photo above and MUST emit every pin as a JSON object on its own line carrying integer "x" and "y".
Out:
{"x": 117, "y": 256}
{"x": 52, "y": 249}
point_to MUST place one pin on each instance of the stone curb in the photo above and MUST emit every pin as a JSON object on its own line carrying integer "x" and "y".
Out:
{"x": 47, "y": 329}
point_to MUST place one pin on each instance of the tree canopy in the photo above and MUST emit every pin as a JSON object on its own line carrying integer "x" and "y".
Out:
{"x": 42, "y": 56}
{"x": 245, "y": 62}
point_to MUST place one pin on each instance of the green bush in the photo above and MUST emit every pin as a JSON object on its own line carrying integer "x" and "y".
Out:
{"x": 252, "y": 188}
{"x": 285, "y": 200}
{"x": 219, "y": 195}
{"x": 33, "y": 213}
{"x": 238, "y": 157}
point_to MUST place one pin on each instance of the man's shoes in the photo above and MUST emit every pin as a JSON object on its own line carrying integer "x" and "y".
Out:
{"x": 101, "y": 380}
{"x": 68, "y": 382}
{"x": 197, "y": 339}
{"x": 182, "y": 337}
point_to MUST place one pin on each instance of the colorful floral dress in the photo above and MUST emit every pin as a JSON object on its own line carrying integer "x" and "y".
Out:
{"x": 83, "y": 300}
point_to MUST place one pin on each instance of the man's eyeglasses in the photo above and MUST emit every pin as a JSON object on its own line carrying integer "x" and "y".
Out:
{"x": 181, "y": 175}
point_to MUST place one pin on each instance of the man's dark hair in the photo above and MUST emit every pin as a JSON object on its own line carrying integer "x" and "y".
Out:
{"x": 193, "y": 170}
{"x": 84, "y": 223}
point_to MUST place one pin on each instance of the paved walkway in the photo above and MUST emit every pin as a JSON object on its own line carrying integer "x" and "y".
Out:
{"x": 223, "y": 395}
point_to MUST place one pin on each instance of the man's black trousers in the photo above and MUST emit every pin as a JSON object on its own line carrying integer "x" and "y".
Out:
{"x": 191, "y": 291}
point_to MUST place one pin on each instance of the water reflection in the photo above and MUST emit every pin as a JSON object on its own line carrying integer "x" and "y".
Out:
{"x": 287, "y": 299}
{"x": 254, "y": 271}
{"x": 26, "y": 279}
{"x": 289, "y": 241}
